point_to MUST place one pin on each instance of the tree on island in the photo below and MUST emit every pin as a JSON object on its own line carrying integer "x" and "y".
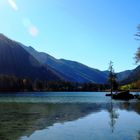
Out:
{"x": 112, "y": 78}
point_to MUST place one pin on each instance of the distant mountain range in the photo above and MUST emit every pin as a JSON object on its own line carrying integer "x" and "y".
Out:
{"x": 133, "y": 77}
{"x": 73, "y": 71}
{"x": 22, "y": 61}
{"x": 121, "y": 75}
{"x": 15, "y": 60}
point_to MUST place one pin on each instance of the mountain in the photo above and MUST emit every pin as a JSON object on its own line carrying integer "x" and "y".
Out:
{"x": 15, "y": 60}
{"x": 123, "y": 75}
{"x": 22, "y": 61}
{"x": 133, "y": 77}
{"x": 73, "y": 71}
{"x": 120, "y": 75}
{"x": 85, "y": 72}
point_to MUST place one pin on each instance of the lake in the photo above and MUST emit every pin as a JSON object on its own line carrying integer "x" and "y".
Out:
{"x": 68, "y": 116}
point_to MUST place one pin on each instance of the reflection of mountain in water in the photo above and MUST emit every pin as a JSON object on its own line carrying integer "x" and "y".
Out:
{"x": 20, "y": 119}
{"x": 130, "y": 106}
{"x": 23, "y": 119}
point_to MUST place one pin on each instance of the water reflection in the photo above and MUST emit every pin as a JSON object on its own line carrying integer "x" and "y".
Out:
{"x": 19, "y": 119}
{"x": 113, "y": 116}
{"x": 139, "y": 135}
{"x": 23, "y": 119}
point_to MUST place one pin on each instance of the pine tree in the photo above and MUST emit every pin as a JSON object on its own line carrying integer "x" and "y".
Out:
{"x": 112, "y": 77}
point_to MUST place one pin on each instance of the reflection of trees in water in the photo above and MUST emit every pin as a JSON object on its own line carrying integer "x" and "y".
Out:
{"x": 22, "y": 119}
{"x": 138, "y": 137}
{"x": 113, "y": 116}
{"x": 19, "y": 119}
{"x": 131, "y": 106}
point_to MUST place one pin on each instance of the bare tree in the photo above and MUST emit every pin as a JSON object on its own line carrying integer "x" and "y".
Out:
{"x": 137, "y": 54}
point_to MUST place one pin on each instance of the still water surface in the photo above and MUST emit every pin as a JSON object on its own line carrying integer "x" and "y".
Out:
{"x": 68, "y": 116}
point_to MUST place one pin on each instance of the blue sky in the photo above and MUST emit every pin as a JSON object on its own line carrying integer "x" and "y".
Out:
{"x": 92, "y": 32}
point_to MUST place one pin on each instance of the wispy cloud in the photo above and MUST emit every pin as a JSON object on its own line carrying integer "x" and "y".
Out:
{"x": 13, "y": 4}
{"x": 32, "y": 29}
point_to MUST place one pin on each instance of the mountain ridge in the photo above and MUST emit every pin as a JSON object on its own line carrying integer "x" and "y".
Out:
{"x": 17, "y": 55}
{"x": 74, "y": 66}
{"x": 66, "y": 67}
{"x": 15, "y": 60}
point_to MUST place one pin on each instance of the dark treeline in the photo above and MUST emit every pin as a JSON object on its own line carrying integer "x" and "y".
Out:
{"x": 12, "y": 83}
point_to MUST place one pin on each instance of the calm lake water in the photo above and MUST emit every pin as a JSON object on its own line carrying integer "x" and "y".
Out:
{"x": 68, "y": 116}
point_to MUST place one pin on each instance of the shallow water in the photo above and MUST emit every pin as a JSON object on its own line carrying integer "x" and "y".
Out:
{"x": 68, "y": 116}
